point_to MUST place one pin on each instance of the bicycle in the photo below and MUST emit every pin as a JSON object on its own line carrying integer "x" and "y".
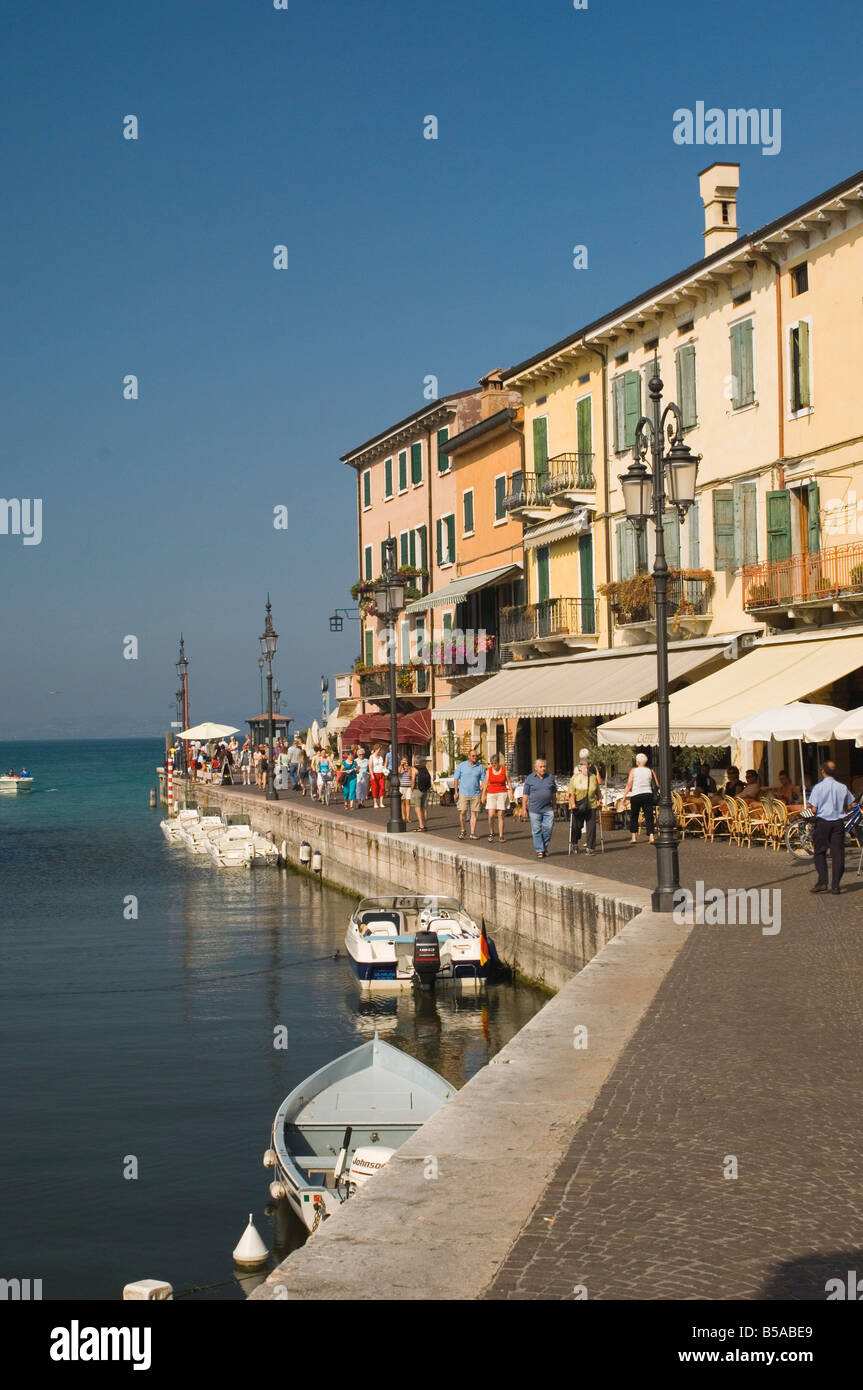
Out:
{"x": 799, "y": 837}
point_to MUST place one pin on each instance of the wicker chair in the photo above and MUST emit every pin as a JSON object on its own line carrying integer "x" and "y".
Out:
{"x": 755, "y": 820}
{"x": 733, "y": 817}
{"x": 777, "y": 822}
{"x": 713, "y": 820}
{"x": 687, "y": 817}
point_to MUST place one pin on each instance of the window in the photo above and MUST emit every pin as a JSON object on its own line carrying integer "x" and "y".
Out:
{"x": 631, "y": 550}
{"x": 584, "y": 435}
{"x": 627, "y": 409}
{"x": 500, "y": 497}
{"x": 742, "y": 365}
{"x": 693, "y": 526}
{"x": 467, "y": 509}
{"x": 383, "y": 556}
{"x": 540, "y": 444}
{"x": 735, "y": 526}
{"x": 404, "y": 554}
{"x": 416, "y": 463}
{"x": 367, "y": 563}
{"x": 685, "y": 361}
{"x": 388, "y": 478}
{"x": 541, "y": 400}
{"x": 583, "y": 380}
{"x": 442, "y": 459}
{"x": 367, "y": 488}
{"x": 800, "y": 278}
{"x": 801, "y": 395}
{"x": 622, "y": 359}
{"x": 405, "y": 644}
{"x": 543, "y": 586}
{"x": 422, "y": 547}
{"x": 742, "y": 298}
{"x": 403, "y": 470}
{"x": 686, "y": 327}
{"x": 651, "y": 344}
{"x": 779, "y": 525}
{"x": 725, "y": 213}
{"x": 446, "y": 539}
{"x": 370, "y": 647}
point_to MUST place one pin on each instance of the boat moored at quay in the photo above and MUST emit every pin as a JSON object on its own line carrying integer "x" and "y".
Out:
{"x": 397, "y": 941}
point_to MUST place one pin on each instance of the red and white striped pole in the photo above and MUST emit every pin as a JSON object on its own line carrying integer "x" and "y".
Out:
{"x": 170, "y": 782}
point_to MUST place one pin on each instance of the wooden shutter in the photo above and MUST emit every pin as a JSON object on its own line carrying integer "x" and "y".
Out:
{"x": 416, "y": 463}
{"x": 450, "y": 526}
{"x": 800, "y": 394}
{"x": 618, "y": 389}
{"x": 367, "y": 557}
{"x": 370, "y": 647}
{"x": 423, "y": 553}
{"x": 542, "y": 578}
{"x": 632, "y": 405}
{"x": 442, "y": 459}
{"x": 746, "y": 522}
{"x": 383, "y": 556}
{"x": 367, "y": 488}
{"x": 467, "y": 508}
{"x": 499, "y": 497}
{"x": 742, "y": 368}
{"x": 403, "y": 548}
{"x": 403, "y": 469}
{"x": 412, "y": 549}
{"x": 626, "y": 552}
{"x": 671, "y": 539}
{"x": 813, "y": 504}
{"x": 724, "y": 548}
{"x": 540, "y": 444}
{"x": 439, "y": 540}
{"x": 694, "y": 523}
{"x": 388, "y": 478}
{"x": 585, "y": 565}
{"x": 584, "y": 428}
{"x": 779, "y": 525}
{"x": 686, "y": 384}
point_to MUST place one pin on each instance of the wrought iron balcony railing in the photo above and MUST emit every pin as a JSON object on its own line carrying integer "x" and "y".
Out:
{"x": 825, "y": 574}
{"x": 686, "y": 598}
{"x": 553, "y": 617}
{"x": 410, "y": 680}
{"x": 525, "y": 490}
{"x": 569, "y": 473}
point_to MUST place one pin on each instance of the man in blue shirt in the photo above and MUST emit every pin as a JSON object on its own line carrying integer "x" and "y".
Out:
{"x": 538, "y": 800}
{"x": 469, "y": 776}
{"x": 829, "y": 799}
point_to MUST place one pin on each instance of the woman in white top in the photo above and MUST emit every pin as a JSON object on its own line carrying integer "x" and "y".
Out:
{"x": 377, "y": 776}
{"x": 640, "y": 786}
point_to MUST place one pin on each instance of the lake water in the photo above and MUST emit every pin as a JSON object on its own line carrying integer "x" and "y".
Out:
{"x": 148, "y": 1042}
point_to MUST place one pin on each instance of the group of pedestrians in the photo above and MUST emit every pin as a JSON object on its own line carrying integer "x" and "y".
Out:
{"x": 584, "y": 797}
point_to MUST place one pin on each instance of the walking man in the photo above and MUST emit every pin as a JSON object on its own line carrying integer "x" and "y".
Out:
{"x": 829, "y": 799}
{"x": 538, "y": 800}
{"x": 469, "y": 776}
{"x": 295, "y": 757}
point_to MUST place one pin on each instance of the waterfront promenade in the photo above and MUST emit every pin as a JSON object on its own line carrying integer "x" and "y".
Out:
{"x": 706, "y": 1144}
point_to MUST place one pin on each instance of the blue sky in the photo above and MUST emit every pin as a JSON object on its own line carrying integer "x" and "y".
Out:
{"x": 406, "y": 257}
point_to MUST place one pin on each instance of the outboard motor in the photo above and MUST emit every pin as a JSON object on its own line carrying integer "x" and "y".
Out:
{"x": 426, "y": 958}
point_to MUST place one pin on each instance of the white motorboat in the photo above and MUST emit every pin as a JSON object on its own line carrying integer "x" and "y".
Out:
{"x": 233, "y": 849}
{"x": 341, "y": 1125}
{"x": 171, "y": 828}
{"x": 395, "y": 942}
{"x": 195, "y": 833}
{"x": 16, "y": 782}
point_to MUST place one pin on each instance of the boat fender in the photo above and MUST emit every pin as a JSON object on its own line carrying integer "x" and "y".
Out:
{"x": 250, "y": 1252}
{"x": 317, "y": 861}
{"x": 305, "y": 853}
{"x": 278, "y": 1191}
{"x": 269, "y": 1159}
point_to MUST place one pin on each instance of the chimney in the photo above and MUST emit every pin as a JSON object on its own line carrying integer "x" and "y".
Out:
{"x": 493, "y": 396}
{"x": 718, "y": 186}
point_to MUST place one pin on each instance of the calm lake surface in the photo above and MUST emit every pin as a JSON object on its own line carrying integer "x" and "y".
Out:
{"x": 151, "y": 1039}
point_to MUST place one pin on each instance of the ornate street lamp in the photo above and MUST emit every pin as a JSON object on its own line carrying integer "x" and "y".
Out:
{"x": 269, "y": 642}
{"x": 673, "y": 476}
{"x": 389, "y": 599}
{"x": 183, "y": 696}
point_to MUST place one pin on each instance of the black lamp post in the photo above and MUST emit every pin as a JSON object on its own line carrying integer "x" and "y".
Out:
{"x": 269, "y": 642}
{"x": 183, "y": 697}
{"x": 389, "y": 597}
{"x": 672, "y": 478}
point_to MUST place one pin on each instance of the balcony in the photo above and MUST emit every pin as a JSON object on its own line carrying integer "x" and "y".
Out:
{"x": 688, "y": 601}
{"x": 466, "y": 657}
{"x": 555, "y": 624}
{"x": 570, "y": 480}
{"x": 525, "y": 499}
{"x": 825, "y": 579}
{"x": 410, "y": 680}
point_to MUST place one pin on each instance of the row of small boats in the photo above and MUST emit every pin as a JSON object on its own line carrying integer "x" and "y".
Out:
{"x": 232, "y": 844}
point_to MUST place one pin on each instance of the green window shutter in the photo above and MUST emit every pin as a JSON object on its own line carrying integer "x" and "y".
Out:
{"x": 403, "y": 469}
{"x": 542, "y": 576}
{"x": 467, "y": 503}
{"x": 618, "y": 387}
{"x": 383, "y": 556}
{"x": 585, "y": 566}
{"x": 746, "y": 522}
{"x": 450, "y": 536}
{"x": 447, "y": 622}
{"x": 632, "y": 405}
{"x": 442, "y": 459}
{"x": 742, "y": 367}
{"x": 424, "y": 551}
{"x": 671, "y": 539}
{"x": 813, "y": 504}
{"x": 626, "y": 550}
{"x": 367, "y": 488}
{"x": 416, "y": 463}
{"x": 412, "y": 549}
{"x": 540, "y": 445}
{"x": 499, "y": 497}
{"x": 439, "y": 540}
{"x": 686, "y": 384}
{"x": 403, "y": 548}
{"x": 800, "y": 393}
{"x": 370, "y": 647}
{"x": 694, "y": 521}
{"x": 584, "y": 427}
{"x": 779, "y": 525}
{"x": 724, "y": 548}
{"x": 388, "y": 478}
{"x": 367, "y": 563}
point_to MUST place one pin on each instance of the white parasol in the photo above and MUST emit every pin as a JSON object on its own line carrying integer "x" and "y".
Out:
{"x": 207, "y": 731}
{"x": 851, "y": 726}
{"x": 797, "y": 722}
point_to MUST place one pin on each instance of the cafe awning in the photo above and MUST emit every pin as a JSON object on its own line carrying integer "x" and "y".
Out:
{"x": 773, "y": 673}
{"x": 590, "y": 684}
{"x": 415, "y": 727}
{"x": 458, "y": 589}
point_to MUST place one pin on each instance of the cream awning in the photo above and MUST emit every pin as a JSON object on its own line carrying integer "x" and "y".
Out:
{"x": 774, "y": 673}
{"x": 460, "y": 588}
{"x": 587, "y": 685}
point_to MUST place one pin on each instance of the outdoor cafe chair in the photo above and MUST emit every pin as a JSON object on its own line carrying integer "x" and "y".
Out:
{"x": 713, "y": 820}
{"x": 688, "y": 817}
{"x": 754, "y": 820}
{"x": 733, "y": 815}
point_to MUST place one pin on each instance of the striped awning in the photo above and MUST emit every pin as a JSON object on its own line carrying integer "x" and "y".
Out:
{"x": 590, "y": 684}
{"x": 578, "y": 523}
{"x": 459, "y": 589}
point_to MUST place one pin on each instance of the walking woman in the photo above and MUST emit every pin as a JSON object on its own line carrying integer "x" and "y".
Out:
{"x": 407, "y": 777}
{"x": 420, "y": 793}
{"x": 585, "y": 799}
{"x": 362, "y": 776}
{"x": 496, "y": 792}
{"x": 377, "y": 770}
{"x": 640, "y": 786}
{"x": 350, "y": 768}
